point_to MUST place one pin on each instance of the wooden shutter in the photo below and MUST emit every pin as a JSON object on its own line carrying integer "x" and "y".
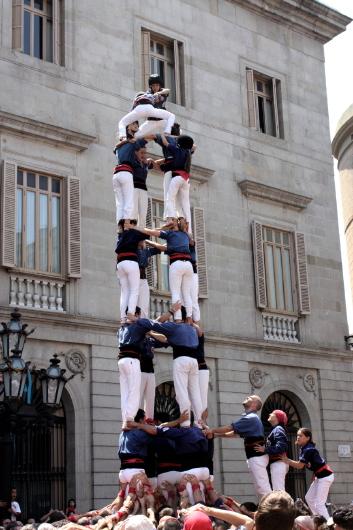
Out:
{"x": 177, "y": 73}
{"x": 57, "y": 31}
{"x": 251, "y": 98}
{"x": 8, "y": 214}
{"x": 275, "y": 106}
{"x": 259, "y": 265}
{"x": 302, "y": 274}
{"x": 150, "y": 272}
{"x": 200, "y": 240}
{"x": 74, "y": 227}
{"x": 17, "y": 24}
{"x": 146, "y": 67}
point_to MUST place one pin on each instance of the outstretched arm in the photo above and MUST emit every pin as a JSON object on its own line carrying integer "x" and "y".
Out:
{"x": 293, "y": 463}
{"x": 183, "y": 417}
{"x": 153, "y": 244}
{"x": 236, "y": 519}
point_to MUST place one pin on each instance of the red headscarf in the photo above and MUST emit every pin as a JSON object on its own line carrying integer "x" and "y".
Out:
{"x": 281, "y": 416}
{"x": 197, "y": 521}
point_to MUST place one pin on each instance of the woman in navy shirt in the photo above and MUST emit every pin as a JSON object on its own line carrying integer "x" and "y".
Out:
{"x": 310, "y": 458}
{"x": 276, "y": 447}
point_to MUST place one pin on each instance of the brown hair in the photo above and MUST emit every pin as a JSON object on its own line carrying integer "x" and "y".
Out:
{"x": 276, "y": 511}
{"x": 307, "y": 433}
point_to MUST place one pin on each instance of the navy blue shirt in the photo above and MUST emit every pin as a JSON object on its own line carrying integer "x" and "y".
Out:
{"x": 177, "y": 241}
{"x": 144, "y": 255}
{"x": 310, "y": 456}
{"x": 147, "y": 353}
{"x": 130, "y": 338}
{"x": 181, "y": 158}
{"x": 128, "y": 241}
{"x": 277, "y": 443}
{"x": 125, "y": 154}
{"x": 249, "y": 427}
{"x": 177, "y": 334}
{"x": 172, "y": 140}
{"x": 201, "y": 353}
{"x": 133, "y": 444}
{"x": 139, "y": 175}
{"x": 190, "y": 445}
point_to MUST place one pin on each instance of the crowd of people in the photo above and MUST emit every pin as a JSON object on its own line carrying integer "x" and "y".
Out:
{"x": 166, "y": 464}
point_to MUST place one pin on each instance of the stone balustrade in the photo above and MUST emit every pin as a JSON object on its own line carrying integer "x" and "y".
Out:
{"x": 282, "y": 328}
{"x": 159, "y": 304}
{"x": 36, "y": 293}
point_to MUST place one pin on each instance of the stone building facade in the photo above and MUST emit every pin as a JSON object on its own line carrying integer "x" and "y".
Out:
{"x": 248, "y": 83}
{"x": 342, "y": 148}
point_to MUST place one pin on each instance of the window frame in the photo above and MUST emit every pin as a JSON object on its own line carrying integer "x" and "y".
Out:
{"x": 57, "y": 17}
{"x": 157, "y": 262}
{"x": 177, "y": 48}
{"x": 253, "y": 118}
{"x": 294, "y": 290}
{"x": 36, "y": 270}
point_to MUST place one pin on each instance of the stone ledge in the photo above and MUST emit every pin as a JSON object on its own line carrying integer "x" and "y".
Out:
{"x": 46, "y": 132}
{"x": 109, "y": 327}
{"x": 316, "y": 20}
{"x": 258, "y": 191}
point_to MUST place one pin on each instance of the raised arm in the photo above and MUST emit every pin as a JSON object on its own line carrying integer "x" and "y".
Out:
{"x": 233, "y": 518}
{"x": 159, "y": 246}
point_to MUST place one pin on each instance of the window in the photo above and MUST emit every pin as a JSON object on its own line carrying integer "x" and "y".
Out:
{"x": 38, "y": 222}
{"x": 264, "y": 103}
{"x": 37, "y": 29}
{"x": 279, "y": 282}
{"x": 41, "y": 222}
{"x": 164, "y": 57}
{"x": 281, "y": 276}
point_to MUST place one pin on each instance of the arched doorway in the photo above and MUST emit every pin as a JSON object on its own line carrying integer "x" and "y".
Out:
{"x": 296, "y": 478}
{"x": 166, "y": 407}
{"x": 33, "y": 446}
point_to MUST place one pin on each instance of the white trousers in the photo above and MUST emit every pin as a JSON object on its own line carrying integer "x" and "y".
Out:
{"x": 278, "y": 472}
{"x": 140, "y": 206}
{"x": 143, "y": 300}
{"x": 142, "y": 112}
{"x": 178, "y": 193}
{"x": 317, "y": 494}
{"x": 130, "y": 383}
{"x": 170, "y": 476}
{"x": 187, "y": 388}
{"x": 147, "y": 394}
{"x": 128, "y": 273}
{"x": 204, "y": 377}
{"x": 151, "y": 128}
{"x": 123, "y": 186}
{"x": 258, "y": 468}
{"x": 166, "y": 181}
{"x": 196, "y": 316}
{"x": 125, "y": 475}
{"x": 180, "y": 283}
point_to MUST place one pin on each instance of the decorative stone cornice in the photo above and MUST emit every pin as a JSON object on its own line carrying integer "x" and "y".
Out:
{"x": 21, "y": 125}
{"x": 305, "y": 16}
{"x": 257, "y": 191}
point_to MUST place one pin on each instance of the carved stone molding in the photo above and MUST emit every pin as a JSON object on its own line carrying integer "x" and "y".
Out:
{"x": 309, "y": 382}
{"x": 257, "y": 377}
{"x": 257, "y": 191}
{"x": 76, "y": 362}
{"x": 45, "y": 132}
{"x": 305, "y": 16}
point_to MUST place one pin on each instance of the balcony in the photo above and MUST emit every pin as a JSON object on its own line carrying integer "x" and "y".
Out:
{"x": 281, "y": 328}
{"x": 36, "y": 293}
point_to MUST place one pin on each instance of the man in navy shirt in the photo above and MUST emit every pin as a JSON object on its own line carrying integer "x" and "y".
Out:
{"x": 250, "y": 428}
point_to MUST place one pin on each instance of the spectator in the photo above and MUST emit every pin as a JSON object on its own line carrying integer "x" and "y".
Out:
{"x": 343, "y": 518}
{"x": 71, "y": 507}
{"x": 15, "y": 507}
{"x": 276, "y": 511}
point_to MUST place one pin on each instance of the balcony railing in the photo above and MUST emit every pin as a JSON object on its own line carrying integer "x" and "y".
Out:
{"x": 36, "y": 293}
{"x": 159, "y": 304}
{"x": 282, "y": 328}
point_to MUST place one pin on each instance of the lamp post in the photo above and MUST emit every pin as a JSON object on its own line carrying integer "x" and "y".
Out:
{"x": 52, "y": 382}
{"x": 14, "y": 370}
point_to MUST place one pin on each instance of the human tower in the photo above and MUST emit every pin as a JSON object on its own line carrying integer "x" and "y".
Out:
{"x": 181, "y": 452}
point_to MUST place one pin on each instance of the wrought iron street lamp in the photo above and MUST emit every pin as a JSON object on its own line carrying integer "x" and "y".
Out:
{"x": 14, "y": 335}
{"x": 53, "y": 381}
{"x": 14, "y": 370}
